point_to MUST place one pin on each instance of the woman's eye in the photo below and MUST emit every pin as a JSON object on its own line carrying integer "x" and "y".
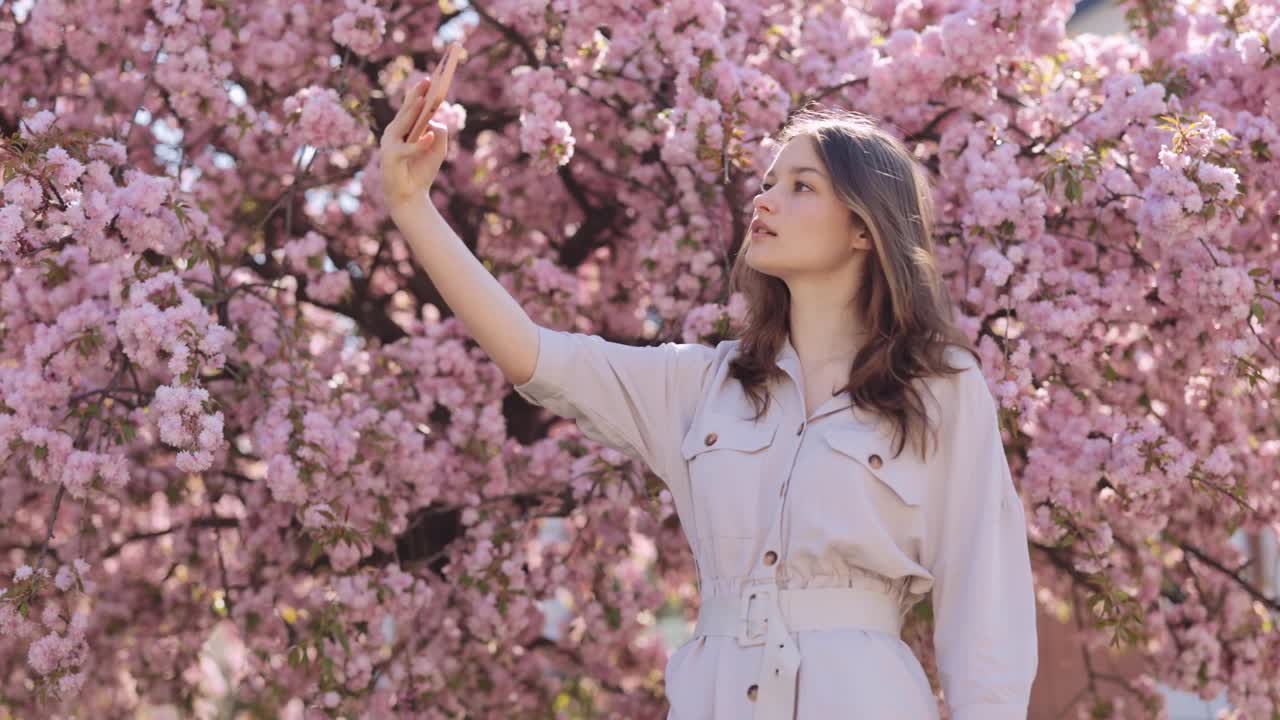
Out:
{"x": 765, "y": 187}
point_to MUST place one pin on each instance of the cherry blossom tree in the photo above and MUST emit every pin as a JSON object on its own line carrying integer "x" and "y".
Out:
{"x": 229, "y": 398}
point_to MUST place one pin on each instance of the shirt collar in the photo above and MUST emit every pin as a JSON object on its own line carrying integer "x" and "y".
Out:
{"x": 789, "y": 361}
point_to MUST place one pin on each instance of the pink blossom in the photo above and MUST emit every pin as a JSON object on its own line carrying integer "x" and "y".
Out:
{"x": 37, "y": 124}
{"x": 1226, "y": 178}
{"x": 283, "y": 480}
{"x": 186, "y": 425}
{"x": 109, "y": 150}
{"x": 23, "y": 192}
{"x": 315, "y": 516}
{"x": 361, "y": 27}
{"x": 68, "y": 168}
{"x": 319, "y": 119}
{"x": 330, "y": 287}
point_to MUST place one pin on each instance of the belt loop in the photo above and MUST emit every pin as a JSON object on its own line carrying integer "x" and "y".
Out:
{"x": 761, "y": 595}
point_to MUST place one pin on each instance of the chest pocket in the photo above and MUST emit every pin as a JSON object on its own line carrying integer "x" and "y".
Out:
{"x": 727, "y": 462}
{"x": 719, "y": 432}
{"x": 873, "y": 451}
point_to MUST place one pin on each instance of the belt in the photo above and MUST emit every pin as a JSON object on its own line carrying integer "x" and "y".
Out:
{"x": 765, "y": 613}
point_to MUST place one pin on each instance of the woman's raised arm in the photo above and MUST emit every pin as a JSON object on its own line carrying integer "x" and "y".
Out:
{"x": 413, "y": 148}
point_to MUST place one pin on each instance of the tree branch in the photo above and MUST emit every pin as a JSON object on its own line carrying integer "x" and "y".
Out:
{"x": 213, "y": 521}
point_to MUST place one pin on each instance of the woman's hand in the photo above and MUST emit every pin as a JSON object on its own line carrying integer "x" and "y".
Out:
{"x": 413, "y": 147}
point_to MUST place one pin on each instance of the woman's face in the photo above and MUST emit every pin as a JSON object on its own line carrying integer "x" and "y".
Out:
{"x": 814, "y": 233}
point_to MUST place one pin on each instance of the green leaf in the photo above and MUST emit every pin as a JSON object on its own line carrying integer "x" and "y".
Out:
{"x": 1073, "y": 188}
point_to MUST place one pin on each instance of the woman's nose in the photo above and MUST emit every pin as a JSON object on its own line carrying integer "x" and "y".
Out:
{"x": 761, "y": 200}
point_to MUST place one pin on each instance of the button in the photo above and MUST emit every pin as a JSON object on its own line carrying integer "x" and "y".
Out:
{"x": 875, "y": 461}
{"x": 711, "y": 439}
{"x": 770, "y": 557}
{"x": 751, "y": 692}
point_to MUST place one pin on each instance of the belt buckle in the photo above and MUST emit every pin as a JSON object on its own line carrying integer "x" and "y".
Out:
{"x": 758, "y": 593}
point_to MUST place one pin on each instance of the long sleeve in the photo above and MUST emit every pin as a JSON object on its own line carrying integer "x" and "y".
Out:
{"x": 636, "y": 400}
{"x": 976, "y": 548}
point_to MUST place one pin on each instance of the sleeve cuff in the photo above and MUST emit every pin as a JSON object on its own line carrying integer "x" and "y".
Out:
{"x": 546, "y": 380}
{"x": 989, "y": 711}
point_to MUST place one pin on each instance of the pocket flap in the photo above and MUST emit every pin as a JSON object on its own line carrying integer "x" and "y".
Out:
{"x": 901, "y": 475}
{"x": 727, "y": 432}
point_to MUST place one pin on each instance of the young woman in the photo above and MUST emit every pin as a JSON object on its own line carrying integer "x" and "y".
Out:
{"x": 813, "y": 527}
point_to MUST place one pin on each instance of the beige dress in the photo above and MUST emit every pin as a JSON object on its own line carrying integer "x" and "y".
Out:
{"x": 791, "y": 504}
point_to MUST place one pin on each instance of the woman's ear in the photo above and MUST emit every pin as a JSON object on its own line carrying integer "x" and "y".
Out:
{"x": 860, "y": 239}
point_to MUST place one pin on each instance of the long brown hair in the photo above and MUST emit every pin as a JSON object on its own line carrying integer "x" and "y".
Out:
{"x": 901, "y": 298}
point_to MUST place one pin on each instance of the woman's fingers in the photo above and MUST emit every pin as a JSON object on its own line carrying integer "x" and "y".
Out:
{"x": 423, "y": 98}
{"x": 411, "y": 109}
{"x": 416, "y": 90}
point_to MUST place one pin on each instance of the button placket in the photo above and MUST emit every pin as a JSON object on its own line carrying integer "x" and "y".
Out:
{"x": 775, "y": 531}
{"x": 776, "y": 632}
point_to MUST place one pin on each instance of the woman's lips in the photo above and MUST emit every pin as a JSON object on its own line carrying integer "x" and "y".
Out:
{"x": 759, "y": 228}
